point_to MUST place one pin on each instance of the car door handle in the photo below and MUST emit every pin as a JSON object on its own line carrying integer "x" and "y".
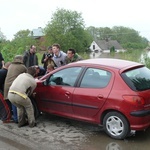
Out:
{"x": 100, "y": 96}
{"x": 67, "y": 94}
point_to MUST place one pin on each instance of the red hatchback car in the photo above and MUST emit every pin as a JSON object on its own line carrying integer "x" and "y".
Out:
{"x": 113, "y": 93}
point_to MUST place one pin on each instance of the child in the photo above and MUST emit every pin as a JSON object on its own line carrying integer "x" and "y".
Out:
{"x": 50, "y": 68}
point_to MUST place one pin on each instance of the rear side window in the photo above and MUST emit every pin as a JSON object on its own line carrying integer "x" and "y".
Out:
{"x": 95, "y": 78}
{"x": 137, "y": 79}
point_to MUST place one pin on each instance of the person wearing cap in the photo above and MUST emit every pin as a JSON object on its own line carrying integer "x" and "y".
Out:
{"x": 17, "y": 67}
{"x": 47, "y": 58}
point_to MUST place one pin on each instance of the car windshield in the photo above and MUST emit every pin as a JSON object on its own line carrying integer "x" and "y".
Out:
{"x": 137, "y": 79}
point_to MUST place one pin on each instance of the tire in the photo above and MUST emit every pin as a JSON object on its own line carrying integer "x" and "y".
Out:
{"x": 36, "y": 110}
{"x": 116, "y": 125}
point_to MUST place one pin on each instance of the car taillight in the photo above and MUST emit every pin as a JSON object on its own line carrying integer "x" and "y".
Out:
{"x": 135, "y": 100}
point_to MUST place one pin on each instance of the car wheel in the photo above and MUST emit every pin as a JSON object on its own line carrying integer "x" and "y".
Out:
{"x": 36, "y": 111}
{"x": 116, "y": 125}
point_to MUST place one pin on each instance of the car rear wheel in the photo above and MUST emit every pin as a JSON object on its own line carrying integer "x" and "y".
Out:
{"x": 116, "y": 125}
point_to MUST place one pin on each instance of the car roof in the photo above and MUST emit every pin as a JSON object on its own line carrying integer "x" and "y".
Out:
{"x": 118, "y": 64}
{"x": 110, "y": 62}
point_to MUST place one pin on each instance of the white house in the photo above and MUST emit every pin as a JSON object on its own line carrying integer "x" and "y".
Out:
{"x": 105, "y": 46}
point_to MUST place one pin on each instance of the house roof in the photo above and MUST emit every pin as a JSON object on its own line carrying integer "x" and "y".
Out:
{"x": 37, "y": 32}
{"x": 107, "y": 44}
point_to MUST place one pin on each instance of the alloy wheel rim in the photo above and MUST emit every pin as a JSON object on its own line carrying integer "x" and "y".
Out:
{"x": 114, "y": 126}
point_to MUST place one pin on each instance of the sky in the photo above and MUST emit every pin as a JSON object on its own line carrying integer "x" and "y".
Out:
{"x": 16, "y": 15}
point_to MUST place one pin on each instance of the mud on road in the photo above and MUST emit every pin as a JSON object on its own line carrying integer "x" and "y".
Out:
{"x": 51, "y": 132}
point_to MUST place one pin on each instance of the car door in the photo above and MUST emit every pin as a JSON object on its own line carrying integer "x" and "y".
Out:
{"x": 92, "y": 93}
{"x": 57, "y": 94}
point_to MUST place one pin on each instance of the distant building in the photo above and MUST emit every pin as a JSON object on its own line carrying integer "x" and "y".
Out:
{"x": 39, "y": 35}
{"x": 105, "y": 46}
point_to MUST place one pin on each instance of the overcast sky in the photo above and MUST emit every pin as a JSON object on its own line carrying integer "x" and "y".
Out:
{"x": 16, "y": 15}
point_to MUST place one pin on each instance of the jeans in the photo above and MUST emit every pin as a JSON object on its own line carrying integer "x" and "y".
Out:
{"x": 14, "y": 109}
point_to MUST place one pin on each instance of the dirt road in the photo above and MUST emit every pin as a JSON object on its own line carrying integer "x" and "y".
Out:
{"x": 56, "y": 133}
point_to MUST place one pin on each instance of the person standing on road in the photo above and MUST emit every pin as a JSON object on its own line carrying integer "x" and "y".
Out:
{"x": 30, "y": 58}
{"x": 47, "y": 58}
{"x": 1, "y": 60}
{"x": 59, "y": 56}
{"x": 17, "y": 67}
{"x": 19, "y": 92}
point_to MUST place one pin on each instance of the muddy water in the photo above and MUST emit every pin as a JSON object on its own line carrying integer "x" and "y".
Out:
{"x": 100, "y": 141}
{"x": 104, "y": 55}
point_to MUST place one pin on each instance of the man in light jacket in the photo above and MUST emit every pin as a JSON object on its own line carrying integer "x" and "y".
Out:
{"x": 19, "y": 92}
{"x": 59, "y": 56}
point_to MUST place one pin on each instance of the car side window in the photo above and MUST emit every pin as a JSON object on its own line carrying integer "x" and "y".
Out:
{"x": 65, "y": 77}
{"x": 95, "y": 78}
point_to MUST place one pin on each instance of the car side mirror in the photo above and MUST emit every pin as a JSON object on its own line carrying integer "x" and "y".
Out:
{"x": 45, "y": 82}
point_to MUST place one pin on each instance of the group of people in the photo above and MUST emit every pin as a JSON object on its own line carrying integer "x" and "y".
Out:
{"x": 17, "y": 80}
{"x": 55, "y": 57}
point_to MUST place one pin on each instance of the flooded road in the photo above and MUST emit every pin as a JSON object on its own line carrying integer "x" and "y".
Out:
{"x": 100, "y": 141}
{"x": 56, "y": 133}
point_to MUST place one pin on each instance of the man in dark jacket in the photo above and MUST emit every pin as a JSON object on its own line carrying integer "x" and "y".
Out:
{"x": 1, "y": 60}
{"x": 47, "y": 58}
{"x": 3, "y": 73}
{"x": 30, "y": 58}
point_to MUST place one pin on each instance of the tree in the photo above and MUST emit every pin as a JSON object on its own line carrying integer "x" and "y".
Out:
{"x": 18, "y": 45}
{"x": 67, "y": 28}
{"x": 124, "y": 34}
{"x": 22, "y": 41}
{"x": 2, "y": 37}
{"x": 127, "y": 37}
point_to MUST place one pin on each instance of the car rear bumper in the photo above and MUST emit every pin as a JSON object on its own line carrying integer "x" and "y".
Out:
{"x": 140, "y": 113}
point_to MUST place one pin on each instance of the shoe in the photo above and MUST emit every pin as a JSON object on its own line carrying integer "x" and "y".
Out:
{"x": 22, "y": 125}
{"x": 16, "y": 121}
{"x": 32, "y": 125}
{"x": 8, "y": 121}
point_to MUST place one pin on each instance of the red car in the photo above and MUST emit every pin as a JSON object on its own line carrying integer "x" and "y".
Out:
{"x": 113, "y": 93}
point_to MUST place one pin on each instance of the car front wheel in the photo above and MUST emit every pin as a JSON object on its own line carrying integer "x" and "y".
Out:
{"x": 36, "y": 111}
{"x": 116, "y": 125}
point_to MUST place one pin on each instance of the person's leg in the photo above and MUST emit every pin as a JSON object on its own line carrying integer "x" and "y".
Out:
{"x": 30, "y": 112}
{"x": 16, "y": 100}
{"x": 5, "y": 112}
{"x": 15, "y": 116}
{"x": 23, "y": 105}
{"x": 22, "y": 121}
